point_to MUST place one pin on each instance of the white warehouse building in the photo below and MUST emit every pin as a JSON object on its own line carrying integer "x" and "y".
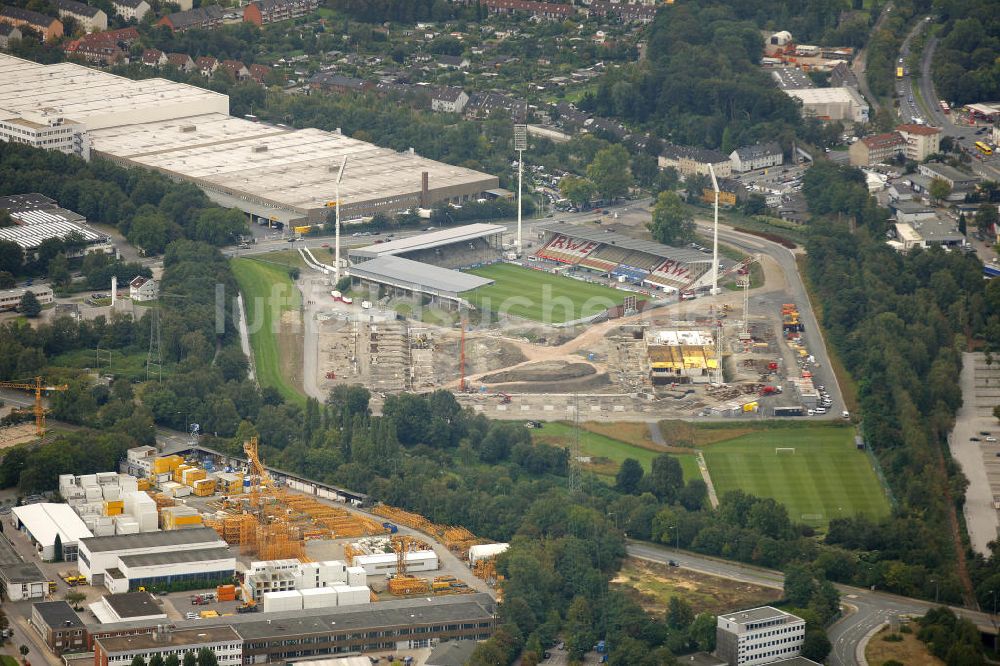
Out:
{"x": 385, "y": 563}
{"x": 46, "y": 524}
{"x": 99, "y": 555}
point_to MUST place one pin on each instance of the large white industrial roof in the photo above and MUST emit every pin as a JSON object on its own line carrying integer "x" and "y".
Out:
{"x": 429, "y": 240}
{"x": 91, "y": 96}
{"x": 31, "y": 236}
{"x": 46, "y": 519}
{"x": 295, "y": 168}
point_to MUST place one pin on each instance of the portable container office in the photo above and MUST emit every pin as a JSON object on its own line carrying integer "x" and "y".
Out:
{"x": 273, "y": 602}
{"x": 352, "y": 595}
{"x": 357, "y": 576}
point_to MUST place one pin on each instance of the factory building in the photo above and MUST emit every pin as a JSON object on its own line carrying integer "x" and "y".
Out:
{"x": 38, "y": 218}
{"x": 99, "y": 555}
{"x": 273, "y": 173}
{"x": 287, "y": 575}
{"x": 211, "y": 565}
{"x": 22, "y": 580}
{"x": 121, "y": 650}
{"x": 54, "y": 529}
{"x": 59, "y": 626}
{"x": 832, "y": 104}
{"x": 385, "y": 563}
{"x": 10, "y": 299}
{"x": 127, "y": 607}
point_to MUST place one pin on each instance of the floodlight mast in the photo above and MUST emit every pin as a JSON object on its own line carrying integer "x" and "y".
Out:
{"x": 715, "y": 234}
{"x": 336, "y": 264}
{"x": 520, "y": 145}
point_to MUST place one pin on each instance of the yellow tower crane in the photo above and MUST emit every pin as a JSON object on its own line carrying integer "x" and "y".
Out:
{"x": 38, "y": 409}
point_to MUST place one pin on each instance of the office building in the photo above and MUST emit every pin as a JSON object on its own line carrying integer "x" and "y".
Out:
{"x": 758, "y": 636}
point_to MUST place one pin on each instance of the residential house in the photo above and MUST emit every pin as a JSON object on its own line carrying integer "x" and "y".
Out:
{"x": 921, "y": 141}
{"x": 628, "y": 12}
{"x": 131, "y": 9}
{"x": 259, "y": 72}
{"x": 49, "y": 28}
{"x": 449, "y": 100}
{"x": 485, "y": 104}
{"x": 338, "y": 83}
{"x": 877, "y": 148}
{"x": 181, "y": 61}
{"x": 842, "y": 76}
{"x": 730, "y": 192}
{"x": 236, "y": 68}
{"x": 206, "y": 65}
{"x": 96, "y": 53}
{"x": 9, "y": 33}
{"x": 154, "y": 58}
{"x": 452, "y": 62}
{"x": 143, "y": 289}
{"x": 202, "y": 17}
{"x": 757, "y": 156}
{"x": 689, "y": 161}
{"x": 123, "y": 38}
{"x": 546, "y": 10}
{"x": 90, "y": 18}
{"x": 272, "y": 11}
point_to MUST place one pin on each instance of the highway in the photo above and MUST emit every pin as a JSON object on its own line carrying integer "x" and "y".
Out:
{"x": 864, "y": 609}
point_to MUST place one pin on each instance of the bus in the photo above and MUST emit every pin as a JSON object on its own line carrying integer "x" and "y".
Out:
{"x": 899, "y": 72}
{"x": 984, "y": 148}
{"x": 944, "y": 106}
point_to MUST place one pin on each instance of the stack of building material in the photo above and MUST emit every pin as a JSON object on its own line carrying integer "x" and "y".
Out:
{"x": 225, "y": 593}
{"x": 357, "y": 576}
{"x": 352, "y": 595}
{"x": 273, "y": 602}
{"x": 105, "y": 526}
{"x": 114, "y": 507}
{"x": 192, "y": 474}
{"x": 229, "y": 483}
{"x": 142, "y": 508}
{"x": 163, "y": 467}
{"x": 174, "y": 489}
{"x": 179, "y": 517}
{"x": 178, "y": 475}
{"x": 126, "y": 524}
{"x": 204, "y": 487}
{"x": 319, "y": 597}
{"x": 128, "y": 483}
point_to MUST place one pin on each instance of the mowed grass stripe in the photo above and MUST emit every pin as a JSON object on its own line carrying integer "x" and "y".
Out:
{"x": 540, "y": 296}
{"x": 825, "y": 478}
{"x": 267, "y": 293}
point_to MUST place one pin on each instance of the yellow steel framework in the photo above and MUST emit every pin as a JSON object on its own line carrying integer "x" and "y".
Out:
{"x": 38, "y": 408}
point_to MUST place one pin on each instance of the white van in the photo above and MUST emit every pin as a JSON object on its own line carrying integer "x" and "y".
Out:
{"x": 820, "y": 410}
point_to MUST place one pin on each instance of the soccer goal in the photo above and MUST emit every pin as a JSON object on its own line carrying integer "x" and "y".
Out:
{"x": 785, "y": 449}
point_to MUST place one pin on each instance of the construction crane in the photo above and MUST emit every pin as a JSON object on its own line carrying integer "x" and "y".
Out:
{"x": 38, "y": 409}
{"x": 403, "y": 583}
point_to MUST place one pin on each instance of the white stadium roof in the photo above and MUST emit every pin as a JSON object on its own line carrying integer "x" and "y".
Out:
{"x": 46, "y": 519}
{"x": 408, "y": 274}
{"x": 429, "y": 240}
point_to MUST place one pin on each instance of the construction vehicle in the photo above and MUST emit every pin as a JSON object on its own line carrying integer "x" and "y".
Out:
{"x": 38, "y": 409}
{"x": 504, "y": 398}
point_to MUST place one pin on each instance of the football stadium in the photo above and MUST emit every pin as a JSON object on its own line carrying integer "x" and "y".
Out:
{"x": 627, "y": 259}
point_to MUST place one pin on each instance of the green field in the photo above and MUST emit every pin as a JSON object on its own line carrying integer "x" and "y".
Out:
{"x": 825, "y": 478}
{"x": 267, "y": 293}
{"x": 540, "y": 296}
{"x": 609, "y": 453}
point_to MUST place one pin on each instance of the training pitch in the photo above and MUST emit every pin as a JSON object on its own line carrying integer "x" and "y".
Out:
{"x": 825, "y": 477}
{"x": 540, "y": 296}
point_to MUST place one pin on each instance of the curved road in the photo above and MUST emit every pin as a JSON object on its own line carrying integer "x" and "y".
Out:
{"x": 866, "y": 610}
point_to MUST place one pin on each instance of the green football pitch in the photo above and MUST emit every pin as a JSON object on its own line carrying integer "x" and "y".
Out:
{"x": 540, "y": 296}
{"x": 822, "y": 477}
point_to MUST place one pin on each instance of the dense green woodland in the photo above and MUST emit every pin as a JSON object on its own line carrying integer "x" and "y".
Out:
{"x": 147, "y": 208}
{"x": 967, "y": 60}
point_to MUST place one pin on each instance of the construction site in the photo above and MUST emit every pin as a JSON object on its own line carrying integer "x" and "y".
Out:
{"x": 740, "y": 354}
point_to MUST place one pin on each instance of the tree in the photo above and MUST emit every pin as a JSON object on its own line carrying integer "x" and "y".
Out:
{"x": 74, "y": 598}
{"x": 11, "y": 257}
{"x": 610, "y": 172}
{"x": 7, "y": 280}
{"x": 939, "y": 189}
{"x": 138, "y": 660}
{"x": 190, "y": 659}
{"x": 24, "y": 650}
{"x": 816, "y": 645}
{"x": 156, "y": 660}
{"x": 799, "y": 585}
{"x": 986, "y": 217}
{"x": 58, "y": 548}
{"x": 206, "y": 657}
{"x": 578, "y": 190}
{"x": 172, "y": 660}
{"x": 220, "y": 226}
{"x": 666, "y": 478}
{"x": 679, "y": 613}
{"x": 152, "y": 231}
{"x": 962, "y": 226}
{"x": 58, "y": 270}
{"x": 671, "y": 223}
{"x": 629, "y": 476}
{"x": 29, "y": 304}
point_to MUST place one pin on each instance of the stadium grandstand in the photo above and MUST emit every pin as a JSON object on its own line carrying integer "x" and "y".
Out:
{"x": 628, "y": 259}
{"x": 461, "y": 247}
{"x": 398, "y": 276}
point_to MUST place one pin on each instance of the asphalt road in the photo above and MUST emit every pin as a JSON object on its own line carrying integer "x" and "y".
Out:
{"x": 864, "y": 609}
{"x": 909, "y": 112}
{"x": 860, "y": 64}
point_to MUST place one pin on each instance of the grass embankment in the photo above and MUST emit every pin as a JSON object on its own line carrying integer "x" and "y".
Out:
{"x": 607, "y": 453}
{"x": 268, "y": 293}
{"x": 540, "y": 296}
